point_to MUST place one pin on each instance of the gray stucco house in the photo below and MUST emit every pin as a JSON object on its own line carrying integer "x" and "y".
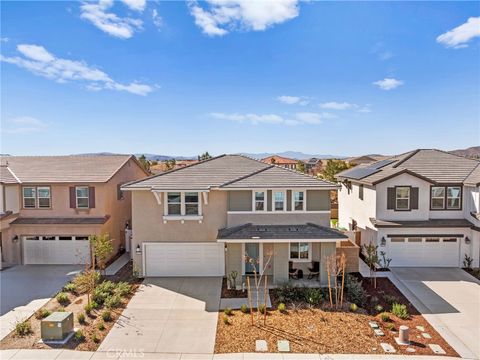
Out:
{"x": 202, "y": 220}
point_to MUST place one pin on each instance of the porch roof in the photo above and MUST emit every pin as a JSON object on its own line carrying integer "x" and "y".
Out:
{"x": 431, "y": 223}
{"x": 280, "y": 233}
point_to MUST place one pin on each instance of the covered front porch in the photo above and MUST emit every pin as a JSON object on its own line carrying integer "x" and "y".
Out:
{"x": 294, "y": 253}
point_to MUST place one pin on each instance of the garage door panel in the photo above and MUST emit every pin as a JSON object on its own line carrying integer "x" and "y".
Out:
{"x": 184, "y": 259}
{"x": 55, "y": 252}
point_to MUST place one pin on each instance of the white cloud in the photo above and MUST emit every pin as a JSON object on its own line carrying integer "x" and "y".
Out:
{"x": 365, "y": 109}
{"x": 458, "y": 37}
{"x": 156, "y": 18}
{"x": 388, "y": 83}
{"x": 39, "y": 61}
{"x": 255, "y": 119}
{"x": 137, "y": 5}
{"x": 385, "y": 55}
{"x": 219, "y": 17}
{"x": 381, "y": 51}
{"x": 291, "y": 100}
{"x": 4, "y": 39}
{"x": 333, "y": 105}
{"x": 121, "y": 27}
{"x": 22, "y": 125}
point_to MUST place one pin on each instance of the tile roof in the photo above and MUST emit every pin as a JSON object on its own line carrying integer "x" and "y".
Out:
{"x": 433, "y": 165}
{"x": 228, "y": 171}
{"x": 474, "y": 177}
{"x": 279, "y": 160}
{"x": 303, "y": 231}
{"x": 431, "y": 223}
{"x": 63, "y": 169}
{"x": 6, "y": 176}
{"x": 60, "y": 220}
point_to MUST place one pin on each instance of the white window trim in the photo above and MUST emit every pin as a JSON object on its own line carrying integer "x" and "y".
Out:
{"x": 82, "y": 197}
{"x": 459, "y": 207}
{"x": 34, "y": 197}
{"x": 284, "y": 200}
{"x": 409, "y": 196}
{"x": 265, "y": 200}
{"x": 49, "y": 197}
{"x": 304, "y": 204}
{"x": 438, "y": 197}
{"x": 260, "y": 255}
{"x": 182, "y": 216}
{"x": 300, "y": 260}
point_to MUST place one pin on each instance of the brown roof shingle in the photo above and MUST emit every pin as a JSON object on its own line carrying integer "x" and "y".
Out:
{"x": 61, "y": 220}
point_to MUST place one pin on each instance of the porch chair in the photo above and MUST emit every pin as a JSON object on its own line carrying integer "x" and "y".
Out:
{"x": 314, "y": 270}
{"x": 292, "y": 273}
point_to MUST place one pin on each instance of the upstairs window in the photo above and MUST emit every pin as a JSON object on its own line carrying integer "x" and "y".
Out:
{"x": 279, "y": 201}
{"x": 174, "y": 203}
{"x": 402, "y": 198}
{"x": 446, "y": 198}
{"x": 438, "y": 197}
{"x": 29, "y": 197}
{"x": 191, "y": 203}
{"x": 454, "y": 197}
{"x": 180, "y": 203}
{"x": 43, "y": 194}
{"x": 82, "y": 197}
{"x": 259, "y": 198}
{"x": 360, "y": 191}
{"x": 36, "y": 197}
{"x": 298, "y": 200}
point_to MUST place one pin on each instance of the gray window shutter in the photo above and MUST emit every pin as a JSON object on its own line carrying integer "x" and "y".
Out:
{"x": 391, "y": 198}
{"x": 414, "y": 198}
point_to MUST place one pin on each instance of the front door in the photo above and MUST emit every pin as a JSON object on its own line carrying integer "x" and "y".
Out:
{"x": 253, "y": 252}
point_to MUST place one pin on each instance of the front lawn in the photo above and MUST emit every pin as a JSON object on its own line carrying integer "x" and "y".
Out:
{"x": 313, "y": 326}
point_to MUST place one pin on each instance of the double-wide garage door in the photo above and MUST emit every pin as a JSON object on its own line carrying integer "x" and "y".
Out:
{"x": 424, "y": 251}
{"x": 183, "y": 259}
{"x": 56, "y": 250}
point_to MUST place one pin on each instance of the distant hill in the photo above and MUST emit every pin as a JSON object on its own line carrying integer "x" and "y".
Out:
{"x": 157, "y": 157}
{"x": 293, "y": 155}
{"x": 471, "y": 152}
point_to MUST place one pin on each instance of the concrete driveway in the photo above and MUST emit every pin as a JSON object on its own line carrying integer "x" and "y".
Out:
{"x": 24, "y": 289}
{"x": 450, "y": 301}
{"x": 168, "y": 315}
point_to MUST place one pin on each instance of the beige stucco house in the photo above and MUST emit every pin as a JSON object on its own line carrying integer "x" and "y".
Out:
{"x": 203, "y": 219}
{"x": 49, "y": 205}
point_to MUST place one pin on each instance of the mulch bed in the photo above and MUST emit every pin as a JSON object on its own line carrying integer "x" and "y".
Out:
{"x": 76, "y": 305}
{"x": 474, "y": 272}
{"x": 231, "y": 293}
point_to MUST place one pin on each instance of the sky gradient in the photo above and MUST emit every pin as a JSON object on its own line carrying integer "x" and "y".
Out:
{"x": 183, "y": 78}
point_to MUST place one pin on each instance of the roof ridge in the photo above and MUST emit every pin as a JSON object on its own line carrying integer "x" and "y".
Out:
{"x": 306, "y": 175}
{"x": 409, "y": 156}
{"x": 247, "y": 176}
{"x": 470, "y": 173}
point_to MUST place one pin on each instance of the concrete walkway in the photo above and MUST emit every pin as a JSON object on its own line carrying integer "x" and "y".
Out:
{"x": 168, "y": 315}
{"x": 114, "y": 267}
{"x": 87, "y": 355}
{"x": 449, "y": 299}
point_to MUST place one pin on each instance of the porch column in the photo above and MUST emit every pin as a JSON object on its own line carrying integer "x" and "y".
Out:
{"x": 326, "y": 249}
{"x": 234, "y": 258}
{"x": 280, "y": 263}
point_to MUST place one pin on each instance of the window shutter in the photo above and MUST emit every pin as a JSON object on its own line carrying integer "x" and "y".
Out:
{"x": 91, "y": 197}
{"x": 414, "y": 198}
{"x": 73, "y": 198}
{"x": 391, "y": 198}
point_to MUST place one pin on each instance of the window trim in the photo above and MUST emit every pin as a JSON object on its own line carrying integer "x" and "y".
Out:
{"x": 304, "y": 201}
{"x": 284, "y": 200}
{"x": 409, "y": 208}
{"x": 82, "y": 197}
{"x": 265, "y": 200}
{"x": 184, "y": 203}
{"x": 460, "y": 198}
{"x": 36, "y": 197}
{"x": 445, "y": 197}
{"x": 49, "y": 197}
{"x": 29, "y": 197}
{"x": 298, "y": 260}
{"x": 182, "y": 214}
{"x": 361, "y": 192}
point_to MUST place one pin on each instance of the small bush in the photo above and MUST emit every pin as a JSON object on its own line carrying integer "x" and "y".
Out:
{"x": 88, "y": 308}
{"x": 390, "y": 326}
{"x": 79, "y": 336}
{"x": 70, "y": 287}
{"x": 244, "y": 308}
{"x": 123, "y": 289}
{"x": 353, "y": 307}
{"x": 103, "y": 291}
{"x": 101, "y": 326}
{"x": 107, "y": 315}
{"x": 228, "y": 311}
{"x": 378, "y": 308}
{"x": 374, "y": 299}
{"x": 226, "y": 320}
{"x": 313, "y": 296}
{"x": 42, "y": 314}
{"x": 95, "y": 338}
{"x": 81, "y": 318}
{"x": 113, "y": 302}
{"x": 355, "y": 293}
{"x": 23, "y": 328}
{"x": 400, "y": 311}
{"x": 385, "y": 316}
{"x": 282, "y": 308}
{"x": 62, "y": 298}
{"x": 262, "y": 308}
{"x": 390, "y": 299}
{"x": 61, "y": 309}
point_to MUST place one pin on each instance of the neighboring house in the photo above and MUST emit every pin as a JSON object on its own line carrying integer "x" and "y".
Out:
{"x": 360, "y": 160}
{"x": 162, "y": 166}
{"x": 312, "y": 165}
{"x": 51, "y": 204}
{"x": 201, "y": 220}
{"x": 421, "y": 207}
{"x": 281, "y": 161}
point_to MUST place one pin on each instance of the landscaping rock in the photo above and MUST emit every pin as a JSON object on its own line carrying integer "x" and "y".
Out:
{"x": 378, "y": 332}
{"x": 420, "y": 328}
{"x": 437, "y": 349}
{"x": 410, "y": 350}
{"x": 261, "y": 346}
{"x": 426, "y": 335}
{"x": 283, "y": 346}
{"x": 373, "y": 324}
{"x": 388, "y": 348}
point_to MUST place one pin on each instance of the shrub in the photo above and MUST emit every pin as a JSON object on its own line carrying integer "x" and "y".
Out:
{"x": 101, "y": 326}
{"x": 106, "y": 315}
{"x": 282, "y": 308}
{"x": 313, "y": 296}
{"x": 61, "y": 309}
{"x": 355, "y": 293}
{"x": 103, "y": 291}
{"x": 113, "y": 301}
{"x": 353, "y": 307}
{"x": 400, "y": 311}
{"x": 378, "y": 308}
{"x": 88, "y": 308}
{"x": 390, "y": 326}
{"x": 70, "y": 287}
{"x": 385, "y": 316}
{"x": 244, "y": 308}
{"x": 81, "y": 318}
{"x": 95, "y": 338}
{"x": 262, "y": 308}
{"x": 228, "y": 311}
{"x": 390, "y": 299}
{"x": 374, "y": 299}
{"x": 23, "y": 328}
{"x": 226, "y": 320}
{"x": 62, "y": 298}
{"x": 42, "y": 314}
{"x": 123, "y": 289}
{"x": 79, "y": 336}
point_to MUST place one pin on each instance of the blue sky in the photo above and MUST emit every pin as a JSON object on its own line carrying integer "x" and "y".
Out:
{"x": 181, "y": 78}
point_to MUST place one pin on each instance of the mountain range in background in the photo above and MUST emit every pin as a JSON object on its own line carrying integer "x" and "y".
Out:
{"x": 473, "y": 152}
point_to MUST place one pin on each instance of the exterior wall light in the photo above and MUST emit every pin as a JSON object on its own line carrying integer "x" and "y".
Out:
{"x": 138, "y": 249}
{"x": 467, "y": 240}
{"x": 383, "y": 242}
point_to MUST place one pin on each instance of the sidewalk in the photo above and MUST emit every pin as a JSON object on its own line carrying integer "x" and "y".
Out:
{"x": 88, "y": 355}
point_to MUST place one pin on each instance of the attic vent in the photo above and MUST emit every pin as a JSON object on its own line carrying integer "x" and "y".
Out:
{"x": 293, "y": 229}
{"x": 261, "y": 229}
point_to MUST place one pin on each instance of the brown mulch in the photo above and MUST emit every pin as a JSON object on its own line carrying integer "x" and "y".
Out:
{"x": 76, "y": 305}
{"x": 231, "y": 293}
{"x": 474, "y": 272}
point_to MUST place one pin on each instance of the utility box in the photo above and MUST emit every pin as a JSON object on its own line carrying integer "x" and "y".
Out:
{"x": 57, "y": 326}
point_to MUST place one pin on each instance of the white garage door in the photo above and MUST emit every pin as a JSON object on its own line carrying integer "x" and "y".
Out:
{"x": 184, "y": 259}
{"x": 421, "y": 251}
{"x": 55, "y": 250}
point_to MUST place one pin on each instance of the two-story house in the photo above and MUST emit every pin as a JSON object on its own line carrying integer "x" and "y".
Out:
{"x": 281, "y": 161}
{"x": 421, "y": 208}
{"x": 51, "y": 204}
{"x": 202, "y": 220}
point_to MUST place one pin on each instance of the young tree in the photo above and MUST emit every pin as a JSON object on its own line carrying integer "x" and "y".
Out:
{"x": 144, "y": 162}
{"x": 332, "y": 168}
{"x": 204, "y": 156}
{"x": 86, "y": 282}
{"x": 300, "y": 166}
{"x": 102, "y": 248}
{"x": 170, "y": 164}
{"x": 371, "y": 258}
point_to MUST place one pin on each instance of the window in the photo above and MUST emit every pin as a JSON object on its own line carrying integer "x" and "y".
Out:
{"x": 65, "y": 238}
{"x": 402, "y": 198}
{"x": 360, "y": 191}
{"x": 279, "y": 201}
{"x": 29, "y": 197}
{"x": 32, "y": 238}
{"x": 450, "y": 240}
{"x": 82, "y": 197}
{"x": 397, "y": 240}
{"x": 259, "y": 200}
{"x": 453, "y": 197}
{"x": 81, "y": 238}
{"x": 174, "y": 200}
{"x": 415, "y": 239}
{"x": 438, "y": 197}
{"x": 49, "y": 238}
{"x": 43, "y": 194}
{"x": 298, "y": 200}
{"x": 191, "y": 203}
{"x": 300, "y": 251}
{"x": 432, "y": 240}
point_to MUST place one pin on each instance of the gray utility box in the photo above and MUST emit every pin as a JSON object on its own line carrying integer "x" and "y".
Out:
{"x": 57, "y": 326}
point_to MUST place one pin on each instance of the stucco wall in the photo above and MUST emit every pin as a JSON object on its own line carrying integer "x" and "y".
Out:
{"x": 318, "y": 200}
{"x": 280, "y": 263}
{"x": 233, "y": 260}
{"x": 278, "y": 218}
{"x": 350, "y": 206}
{"x": 326, "y": 249}
{"x": 471, "y": 202}
{"x": 11, "y": 199}
{"x": 240, "y": 200}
